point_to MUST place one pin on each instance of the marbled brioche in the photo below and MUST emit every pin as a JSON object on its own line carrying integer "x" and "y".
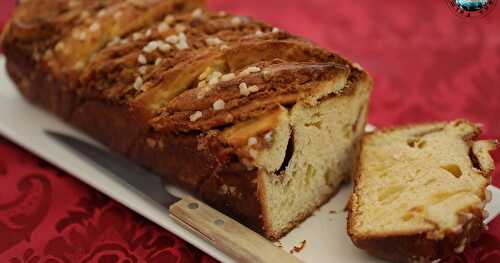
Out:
{"x": 420, "y": 191}
{"x": 258, "y": 123}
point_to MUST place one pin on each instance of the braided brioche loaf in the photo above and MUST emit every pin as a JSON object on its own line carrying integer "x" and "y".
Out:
{"x": 258, "y": 123}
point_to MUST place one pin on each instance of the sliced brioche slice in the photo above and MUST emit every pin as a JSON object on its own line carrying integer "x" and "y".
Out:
{"x": 420, "y": 191}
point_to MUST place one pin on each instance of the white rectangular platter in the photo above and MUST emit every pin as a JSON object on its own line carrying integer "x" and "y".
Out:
{"x": 324, "y": 232}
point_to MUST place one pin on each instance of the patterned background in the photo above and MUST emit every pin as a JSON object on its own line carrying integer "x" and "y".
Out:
{"x": 428, "y": 64}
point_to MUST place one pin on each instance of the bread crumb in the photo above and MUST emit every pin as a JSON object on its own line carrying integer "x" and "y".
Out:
{"x": 333, "y": 212}
{"x": 299, "y": 247}
{"x": 278, "y": 244}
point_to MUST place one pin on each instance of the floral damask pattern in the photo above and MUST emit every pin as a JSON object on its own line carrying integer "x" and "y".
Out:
{"x": 427, "y": 63}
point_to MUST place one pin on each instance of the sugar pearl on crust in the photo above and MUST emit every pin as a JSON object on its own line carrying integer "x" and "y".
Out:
{"x": 148, "y": 32}
{"x": 182, "y": 36}
{"x": 275, "y": 30}
{"x": 357, "y": 66}
{"x": 249, "y": 71}
{"x": 244, "y": 89}
{"x": 180, "y": 28}
{"x": 227, "y": 77}
{"x": 197, "y": 13}
{"x": 94, "y": 27}
{"x": 163, "y": 27}
{"x": 182, "y": 45}
{"x": 172, "y": 39}
{"x": 164, "y": 47}
{"x": 102, "y": 13}
{"x": 219, "y": 105}
{"x": 213, "y": 41}
{"x": 82, "y": 36}
{"x": 236, "y": 20}
{"x": 253, "y": 88}
{"x": 115, "y": 41}
{"x": 158, "y": 61}
{"x": 258, "y": 33}
{"x": 169, "y": 19}
{"x": 142, "y": 59}
{"x": 137, "y": 36}
{"x": 151, "y": 47}
{"x": 213, "y": 78}
{"x": 205, "y": 73}
{"x": 143, "y": 70}
{"x": 195, "y": 116}
{"x": 59, "y": 46}
{"x": 252, "y": 141}
{"x": 138, "y": 83}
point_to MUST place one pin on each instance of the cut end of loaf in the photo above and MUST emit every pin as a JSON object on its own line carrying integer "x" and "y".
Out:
{"x": 302, "y": 154}
{"x": 424, "y": 182}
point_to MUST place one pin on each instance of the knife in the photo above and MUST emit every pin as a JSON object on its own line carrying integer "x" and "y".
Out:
{"x": 224, "y": 233}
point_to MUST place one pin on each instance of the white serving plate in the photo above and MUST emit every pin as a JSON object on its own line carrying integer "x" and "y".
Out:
{"x": 325, "y": 232}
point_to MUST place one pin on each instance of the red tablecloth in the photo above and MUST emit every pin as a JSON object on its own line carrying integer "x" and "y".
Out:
{"x": 428, "y": 64}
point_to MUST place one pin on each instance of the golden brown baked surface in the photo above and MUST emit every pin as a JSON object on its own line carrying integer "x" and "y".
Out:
{"x": 230, "y": 108}
{"x": 420, "y": 191}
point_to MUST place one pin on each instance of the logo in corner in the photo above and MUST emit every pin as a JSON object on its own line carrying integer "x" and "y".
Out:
{"x": 471, "y": 8}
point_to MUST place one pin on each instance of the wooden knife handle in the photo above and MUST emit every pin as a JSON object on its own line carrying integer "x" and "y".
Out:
{"x": 229, "y": 236}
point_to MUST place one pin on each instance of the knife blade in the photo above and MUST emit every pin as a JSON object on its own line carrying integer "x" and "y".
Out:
{"x": 135, "y": 177}
{"x": 222, "y": 232}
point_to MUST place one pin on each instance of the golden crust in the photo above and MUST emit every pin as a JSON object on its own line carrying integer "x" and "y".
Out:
{"x": 150, "y": 123}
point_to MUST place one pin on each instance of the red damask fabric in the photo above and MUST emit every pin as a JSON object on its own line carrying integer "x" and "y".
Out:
{"x": 428, "y": 64}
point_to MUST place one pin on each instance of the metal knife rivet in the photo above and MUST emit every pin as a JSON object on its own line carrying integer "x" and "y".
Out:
{"x": 219, "y": 222}
{"x": 193, "y": 206}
